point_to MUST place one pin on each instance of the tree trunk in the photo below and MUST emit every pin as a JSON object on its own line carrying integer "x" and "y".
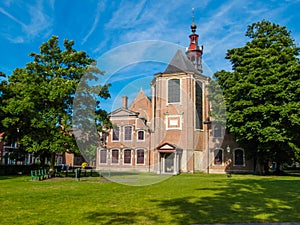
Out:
{"x": 42, "y": 159}
{"x": 259, "y": 168}
{"x": 52, "y": 160}
{"x": 266, "y": 169}
{"x": 278, "y": 168}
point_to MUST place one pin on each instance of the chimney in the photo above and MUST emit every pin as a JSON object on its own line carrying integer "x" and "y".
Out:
{"x": 124, "y": 102}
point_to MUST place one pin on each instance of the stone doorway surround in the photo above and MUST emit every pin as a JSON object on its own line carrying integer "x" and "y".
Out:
{"x": 169, "y": 159}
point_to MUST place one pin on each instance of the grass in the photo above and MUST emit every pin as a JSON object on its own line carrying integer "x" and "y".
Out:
{"x": 183, "y": 199}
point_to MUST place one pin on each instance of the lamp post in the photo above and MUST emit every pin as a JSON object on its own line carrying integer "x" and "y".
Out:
{"x": 229, "y": 161}
{"x": 1, "y": 146}
{"x": 228, "y": 149}
{"x": 207, "y": 122}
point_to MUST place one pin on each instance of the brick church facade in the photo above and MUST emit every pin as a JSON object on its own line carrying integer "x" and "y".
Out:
{"x": 172, "y": 131}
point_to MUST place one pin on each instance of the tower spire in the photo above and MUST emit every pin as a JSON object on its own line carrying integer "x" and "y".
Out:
{"x": 194, "y": 51}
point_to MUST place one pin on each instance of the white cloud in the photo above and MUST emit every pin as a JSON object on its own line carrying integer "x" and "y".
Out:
{"x": 39, "y": 23}
{"x": 127, "y": 15}
{"x": 4, "y": 12}
{"x": 13, "y": 39}
{"x": 143, "y": 21}
{"x": 100, "y": 8}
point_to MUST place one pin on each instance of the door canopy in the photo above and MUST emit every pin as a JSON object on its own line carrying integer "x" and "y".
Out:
{"x": 166, "y": 147}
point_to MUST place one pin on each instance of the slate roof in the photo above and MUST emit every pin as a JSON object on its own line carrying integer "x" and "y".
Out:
{"x": 180, "y": 63}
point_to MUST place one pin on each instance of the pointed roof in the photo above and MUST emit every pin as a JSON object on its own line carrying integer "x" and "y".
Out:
{"x": 167, "y": 147}
{"x": 121, "y": 112}
{"x": 140, "y": 95}
{"x": 180, "y": 63}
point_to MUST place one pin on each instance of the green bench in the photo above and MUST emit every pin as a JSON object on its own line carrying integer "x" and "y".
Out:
{"x": 40, "y": 174}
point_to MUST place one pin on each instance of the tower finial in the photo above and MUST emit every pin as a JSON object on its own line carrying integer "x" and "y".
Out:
{"x": 193, "y": 16}
{"x": 193, "y": 26}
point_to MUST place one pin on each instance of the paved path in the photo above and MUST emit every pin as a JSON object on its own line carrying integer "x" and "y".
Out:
{"x": 292, "y": 223}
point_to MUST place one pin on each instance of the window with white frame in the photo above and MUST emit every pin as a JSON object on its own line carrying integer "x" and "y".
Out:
{"x": 218, "y": 157}
{"x": 116, "y": 133}
{"x": 115, "y": 156}
{"x": 127, "y": 156}
{"x": 141, "y": 135}
{"x": 174, "y": 91}
{"x": 140, "y": 156}
{"x": 239, "y": 157}
{"x": 128, "y": 133}
{"x": 103, "y": 156}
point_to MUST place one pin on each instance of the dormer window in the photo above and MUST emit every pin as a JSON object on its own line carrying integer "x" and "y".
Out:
{"x": 141, "y": 135}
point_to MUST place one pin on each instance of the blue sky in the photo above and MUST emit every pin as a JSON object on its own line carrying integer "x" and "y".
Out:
{"x": 100, "y": 27}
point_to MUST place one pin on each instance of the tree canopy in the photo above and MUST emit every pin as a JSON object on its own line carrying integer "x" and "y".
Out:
{"x": 38, "y": 100}
{"x": 262, "y": 94}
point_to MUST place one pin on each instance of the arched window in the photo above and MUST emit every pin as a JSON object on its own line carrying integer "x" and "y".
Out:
{"x": 127, "y": 156}
{"x": 239, "y": 157}
{"x": 217, "y": 130}
{"x": 103, "y": 156}
{"x": 173, "y": 91}
{"x": 116, "y": 133}
{"x": 127, "y": 133}
{"x": 198, "y": 104}
{"x": 115, "y": 156}
{"x": 141, "y": 135}
{"x": 218, "y": 157}
{"x": 140, "y": 156}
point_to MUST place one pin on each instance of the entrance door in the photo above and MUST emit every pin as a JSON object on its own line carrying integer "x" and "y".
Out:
{"x": 169, "y": 162}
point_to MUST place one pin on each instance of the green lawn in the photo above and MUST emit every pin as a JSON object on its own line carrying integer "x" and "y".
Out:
{"x": 183, "y": 199}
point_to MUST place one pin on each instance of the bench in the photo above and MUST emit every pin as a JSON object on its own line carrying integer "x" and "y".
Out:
{"x": 40, "y": 174}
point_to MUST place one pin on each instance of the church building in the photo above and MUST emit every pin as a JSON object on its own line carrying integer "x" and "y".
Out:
{"x": 171, "y": 132}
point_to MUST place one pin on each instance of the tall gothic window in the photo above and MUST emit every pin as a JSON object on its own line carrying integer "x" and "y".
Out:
{"x": 173, "y": 91}
{"x": 199, "y": 106}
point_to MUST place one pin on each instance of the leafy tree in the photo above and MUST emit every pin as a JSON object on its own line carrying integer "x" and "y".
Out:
{"x": 262, "y": 94}
{"x": 38, "y": 99}
{"x": 2, "y": 87}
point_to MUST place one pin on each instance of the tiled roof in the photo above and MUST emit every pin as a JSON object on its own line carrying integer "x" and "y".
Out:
{"x": 180, "y": 63}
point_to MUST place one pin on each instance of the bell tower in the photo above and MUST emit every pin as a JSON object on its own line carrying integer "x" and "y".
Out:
{"x": 194, "y": 51}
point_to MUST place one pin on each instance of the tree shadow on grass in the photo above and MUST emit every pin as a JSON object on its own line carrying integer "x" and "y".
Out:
{"x": 240, "y": 201}
{"x": 121, "y": 218}
{"x": 228, "y": 200}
